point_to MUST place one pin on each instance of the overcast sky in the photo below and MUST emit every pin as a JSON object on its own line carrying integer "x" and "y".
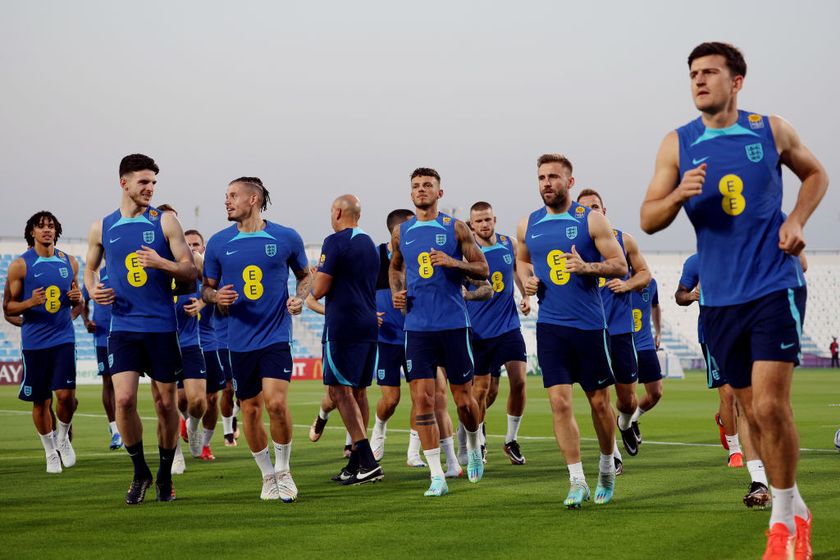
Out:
{"x": 323, "y": 98}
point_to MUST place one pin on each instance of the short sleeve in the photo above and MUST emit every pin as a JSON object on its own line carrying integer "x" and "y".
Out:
{"x": 690, "y": 276}
{"x": 330, "y": 255}
{"x": 212, "y": 266}
{"x": 297, "y": 254}
{"x": 654, "y": 293}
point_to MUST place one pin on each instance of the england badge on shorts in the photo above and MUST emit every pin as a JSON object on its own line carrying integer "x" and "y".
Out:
{"x": 755, "y": 152}
{"x": 571, "y": 232}
{"x": 270, "y": 249}
{"x": 408, "y": 365}
{"x": 381, "y": 374}
{"x": 440, "y": 239}
{"x": 149, "y": 236}
{"x": 27, "y": 390}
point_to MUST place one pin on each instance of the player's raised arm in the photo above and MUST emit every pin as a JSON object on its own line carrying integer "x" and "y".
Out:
{"x": 613, "y": 265}
{"x": 182, "y": 269}
{"x": 98, "y": 293}
{"x": 473, "y": 265}
{"x": 805, "y": 165}
{"x": 396, "y": 272}
{"x": 13, "y": 302}
{"x": 666, "y": 193}
{"x": 641, "y": 273}
{"x": 524, "y": 267}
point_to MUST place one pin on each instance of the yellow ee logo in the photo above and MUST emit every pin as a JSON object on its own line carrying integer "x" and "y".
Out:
{"x": 497, "y": 281}
{"x": 557, "y": 267}
{"x": 53, "y": 303}
{"x": 602, "y": 281}
{"x": 136, "y": 275}
{"x": 637, "y": 320}
{"x": 253, "y": 288}
{"x": 731, "y": 186}
{"x": 426, "y": 269}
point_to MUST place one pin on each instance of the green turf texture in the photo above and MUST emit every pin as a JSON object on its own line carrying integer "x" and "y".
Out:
{"x": 674, "y": 501}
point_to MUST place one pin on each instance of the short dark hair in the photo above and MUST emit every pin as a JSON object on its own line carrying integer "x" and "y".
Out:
{"x": 425, "y": 172}
{"x": 397, "y": 216}
{"x": 137, "y": 162}
{"x": 555, "y": 158}
{"x": 590, "y": 192}
{"x": 194, "y": 232}
{"x": 35, "y": 221}
{"x": 480, "y": 205}
{"x": 167, "y": 208}
{"x": 734, "y": 59}
{"x": 256, "y": 183}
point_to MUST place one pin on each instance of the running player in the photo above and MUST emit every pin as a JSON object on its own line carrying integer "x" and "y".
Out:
{"x": 725, "y": 169}
{"x": 646, "y": 309}
{"x": 346, "y": 277}
{"x": 41, "y": 287}
{"x": 432, "y": 253}
{"x": 100, "y": 326}
{"x": 145, "y": 250}
{"x": 618, "y": 307}
{"x": 568, "y": 247}
{"x": 246, "y": 271}
{"x": 497, "y": 338}
{"x": 728, "y": 417}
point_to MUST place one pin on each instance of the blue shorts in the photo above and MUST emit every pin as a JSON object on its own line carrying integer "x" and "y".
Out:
{"x": 391, "y": 362}
{"x": 568, "y": 355}
{"x": 766, "y": 329}
{"x": 450, "y": 349}
{"x": 153, "y": 354}
{"x": 649, "y": 368}
{"x": 623, "y": 356}
{"x": 46, "y": 370}
{"x": 103, "y": 364}
{"x": 224, "y": 356}
{"x": 715, "y": 379}
{"x": 250, "y": 368}
{"x": 492, "y": 353}
{"x": 194, "y": 367}
{"x": 349, "y": 363}
{"x": 215, "y": 372}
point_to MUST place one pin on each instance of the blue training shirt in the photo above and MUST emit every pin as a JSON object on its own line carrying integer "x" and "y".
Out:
{"x": 434, "y": 301}
{"x": 564, "y": 298}
{"x": 618, "y": 308}
{"x": 643, "y": 302}
{"x": 187, "y": 324}
{"x": 257, "y": 265}
{"x": 690, "y": 279}
{"x": 391, "y": 331}
{"x": 739, "y": 212}
{"x": 206, "y": 331}
{"x": 497, "y": 315}
{"x": 351, "y": 258}
{"x": 50, "y": 323}
{"x": 101, "y": 313}
{"x": 143, "y": 297}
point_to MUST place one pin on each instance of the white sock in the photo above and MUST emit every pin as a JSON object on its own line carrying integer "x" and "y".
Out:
{"x": 413, "y": 444}
{"x": 178, "y": 452}
{"x": 513, "y": 428}
{"x": 616, "y": 451}
{"x": 481, "y": 435}
{"x": 323, "y": 414}
{"x": 637, "y": 414}
{"x": 606, "y": 465}
{"x": 62, "y": 431}
{"x": 347, "y": 439}
{"x": 227, "y": 424}
{"x": 734, "y": 444}
{"x": 783, "y": 508}
{"x": 235, "y": 407}
{"x": 282, "y": 454}
{"x": 576, "y": 472}
{"x": 624, "y": 420}
{"x": 263, "y": 459}
{"x": 799, "y": 507}
{"x": 433, "y": 460}
{"x": 472, "y": 439}
{"x": 112, "y": 427}
{"x": 757, "y": 473}
{"x": 461, "y": 433}
{"x": 192, "y": 423}
{"x": 380, "y": 426}
{"x": 448, "y": 446}
{"x": 208, "y": 435}
{"x": 54, "y": 437}
{"x": 48, "y": 443}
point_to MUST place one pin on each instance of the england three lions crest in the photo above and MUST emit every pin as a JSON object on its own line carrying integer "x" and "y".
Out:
{"x": 571, "y": 232}
{"x": 440, "y": 239}
{"x": 149, "y": 236}
{"x": 271, "y": 249}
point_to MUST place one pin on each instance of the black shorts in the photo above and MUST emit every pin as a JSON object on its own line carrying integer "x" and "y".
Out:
{"x": 349, "y": 363}
{"x": 46, "y": 370}
{"x": 224, "y": 357}
{"x": 568, "y": 355}
{"x": 715, "y": 379}
{"x": 623, "y": 355}
{"x": 153, "y": 354}
{"x": 492, "y": 353}
{"x": 450, "y": 349}
{"x": 215, "y": 372}
{"x": 103, "y": 363}
{"x": 649, "y": 368}
{"x": 249, "y": 368}
{"x": 766, "y": 329}
{"x": 391, "y": 361}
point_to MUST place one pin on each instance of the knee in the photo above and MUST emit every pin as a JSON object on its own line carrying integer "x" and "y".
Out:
{"x": 655, "y": 394}
{"x": 560, "y": 406}
{"x": 276, "y": 406}
{"x": 129, "y": 402}
{"x": 766, "y": 410}
{"x": 600, "y": 405}
{"x": 424, "y": 402}
{"x": 390, "y": 402}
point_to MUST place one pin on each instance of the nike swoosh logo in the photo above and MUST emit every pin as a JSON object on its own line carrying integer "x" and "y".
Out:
{"x": 699, "y": 161}
{"x": 410, "y": 242}
{"x": 203, "y": 371}
{"x": 343, "y": 476}
{"x": 604, "y": 380}
{"x": 364, "y": 476}
{"x": 114, "y": 240}
{"x": 534, "y": 236}
{"x": 786, "y": 346}
{"x": 231, "y": 252}
{"x": 287, "y": 370}
{"x": 37, "y": 274}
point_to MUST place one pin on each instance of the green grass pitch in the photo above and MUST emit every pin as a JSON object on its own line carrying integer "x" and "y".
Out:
{"x": 677, "y": 499}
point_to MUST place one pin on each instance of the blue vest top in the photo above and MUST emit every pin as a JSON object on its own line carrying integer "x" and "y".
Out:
{"x": 497, "y": 315}
{"x": 49, "y": 324}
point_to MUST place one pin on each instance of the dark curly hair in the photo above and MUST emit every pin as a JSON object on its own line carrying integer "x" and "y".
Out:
{"x": 37, "y": 220}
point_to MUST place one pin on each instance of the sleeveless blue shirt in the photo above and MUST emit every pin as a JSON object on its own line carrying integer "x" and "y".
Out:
{"x": 49, "y": 324}
{"x": 617, "y": 307}
{"x": 643, "y": 302}
{"x": 497, "y": 315}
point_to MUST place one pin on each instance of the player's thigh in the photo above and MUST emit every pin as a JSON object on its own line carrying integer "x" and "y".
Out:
{"x": 458, "y": 359}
